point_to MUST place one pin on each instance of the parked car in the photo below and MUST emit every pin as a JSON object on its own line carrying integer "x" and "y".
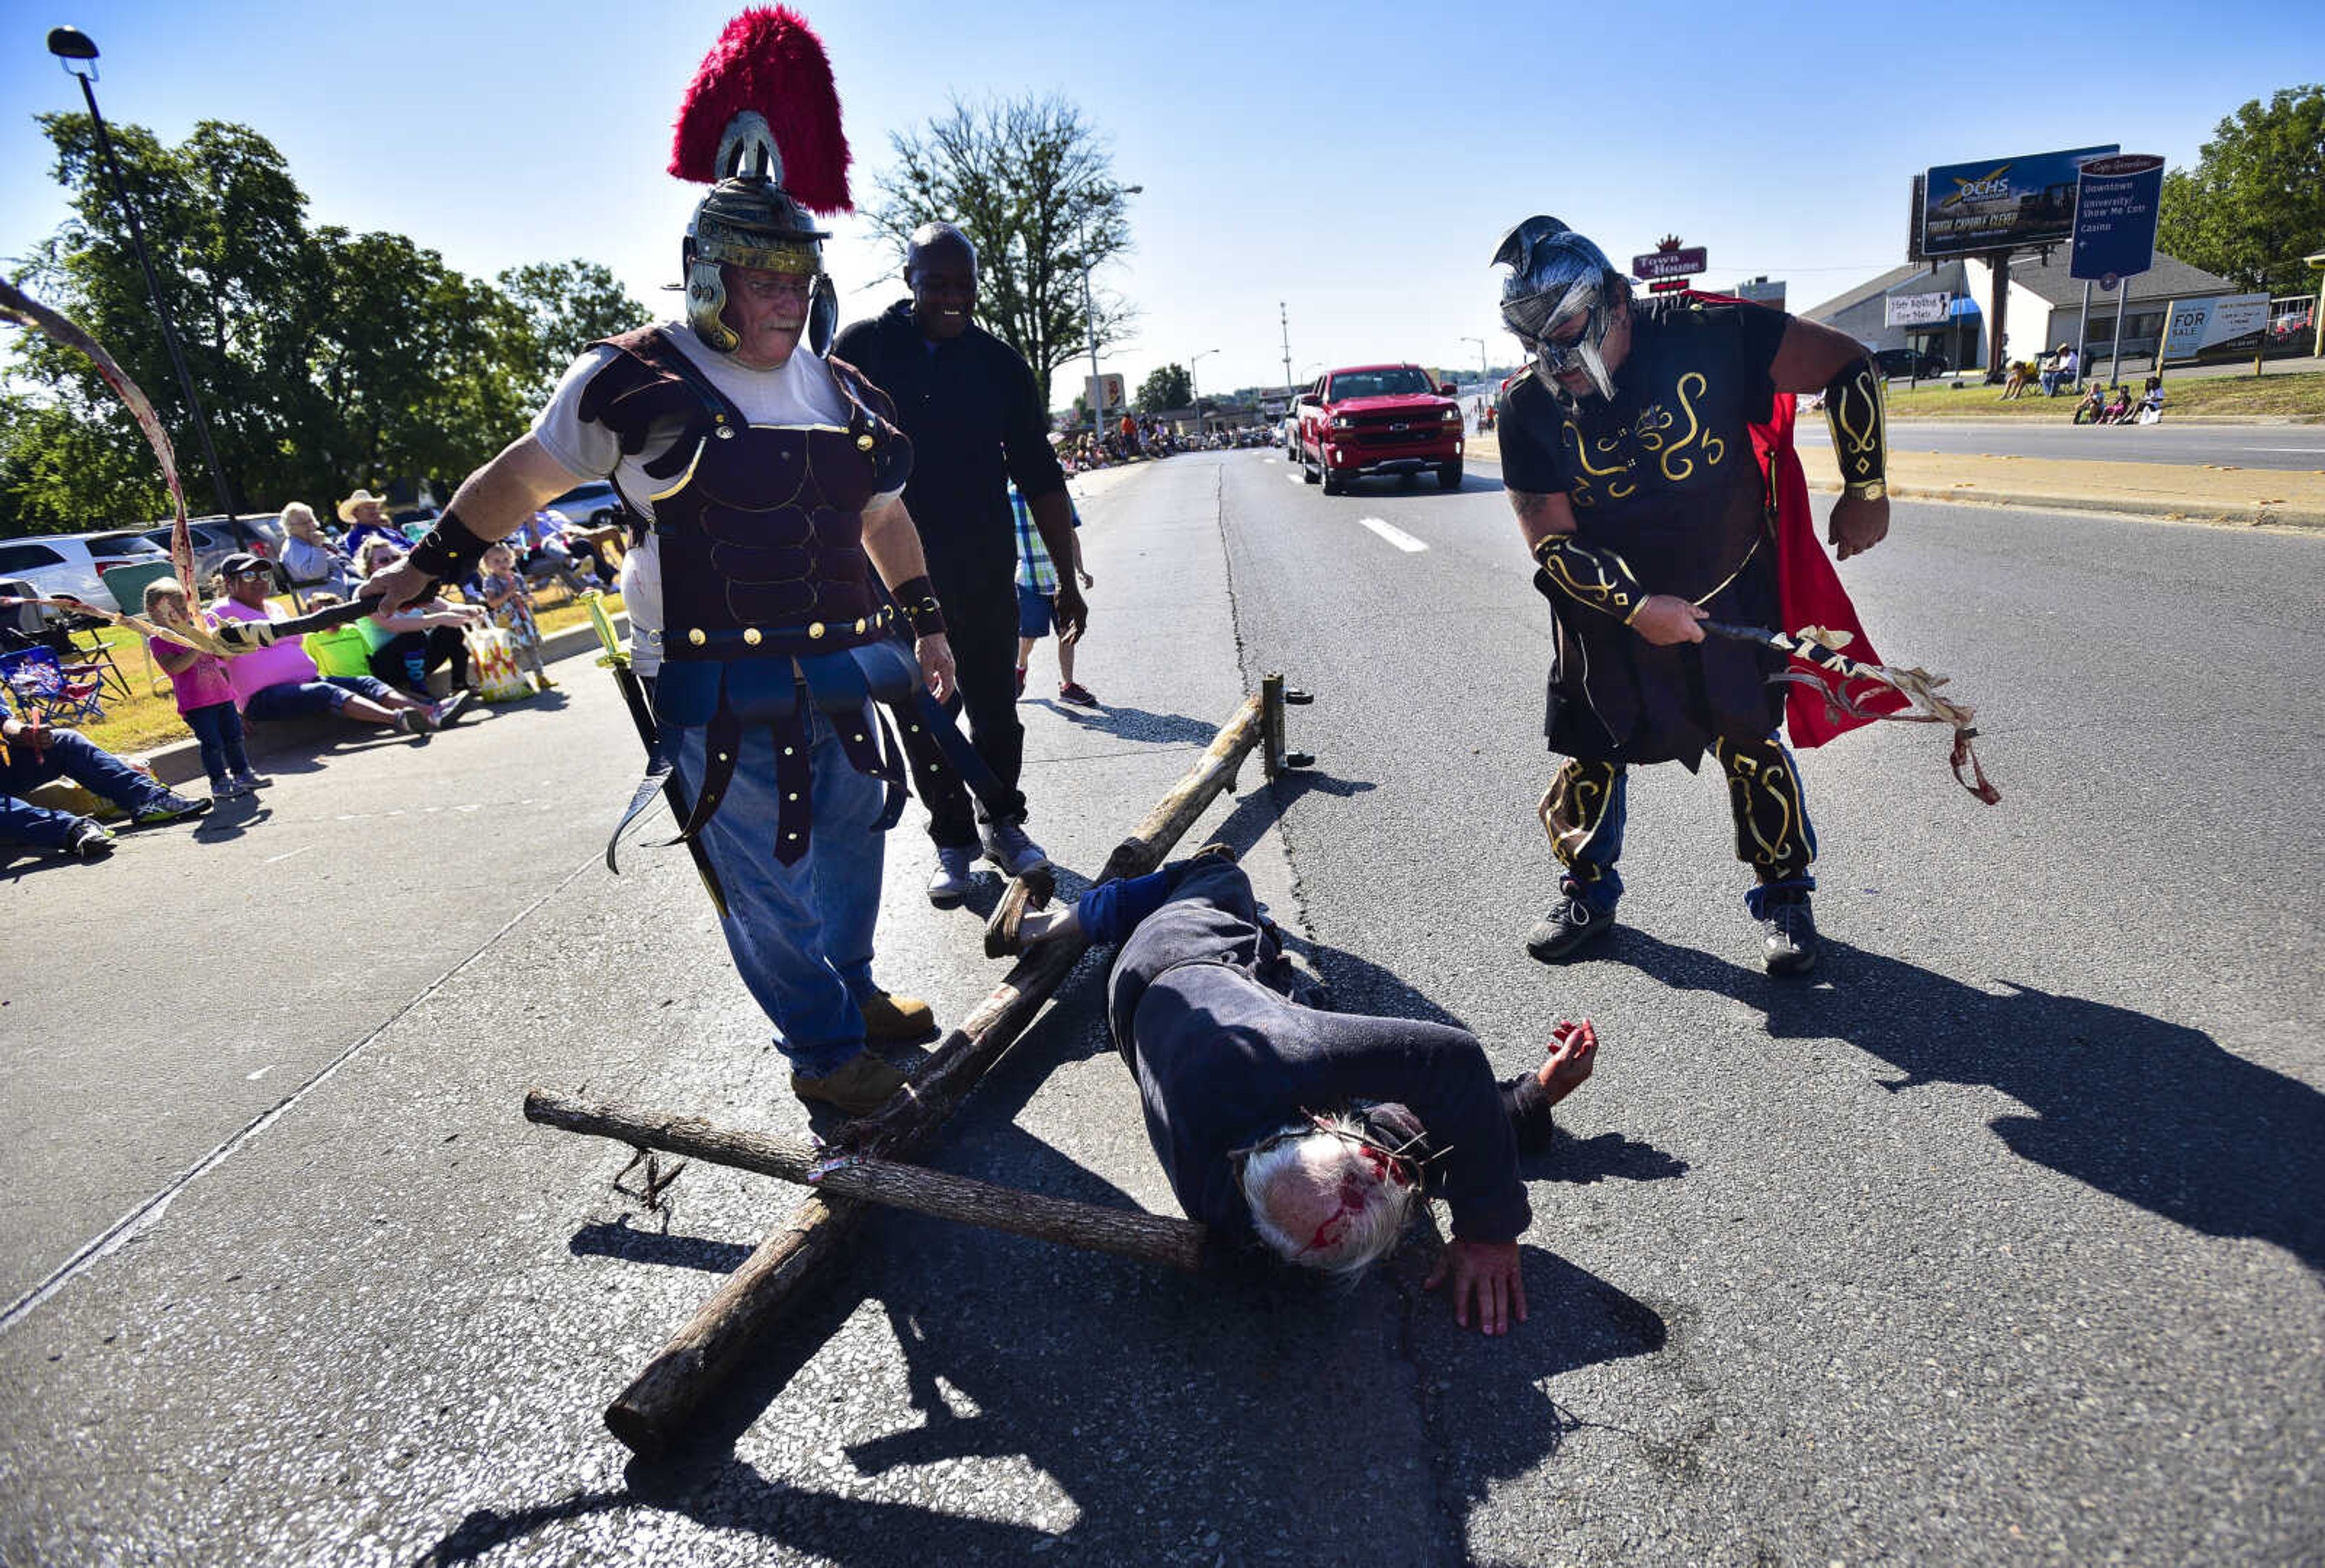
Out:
{"x": 216, "y": 537}
{"x": 1287, "y": 433}
{"x": 1921, "y": 362}
{"x": 67, "y": 565}
{"x": 592, "y": 505}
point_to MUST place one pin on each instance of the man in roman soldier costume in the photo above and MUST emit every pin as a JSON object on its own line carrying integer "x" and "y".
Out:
{"x": 771, "y": 479}
{"x": 1633, "y": 449}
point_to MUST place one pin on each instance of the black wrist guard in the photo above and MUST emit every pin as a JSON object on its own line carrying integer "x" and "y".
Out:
{"x": 1592, "y": 576}
{"x": 916, "y": 601}
{"x": 449, "y": 551}
{"x": 1860, "y": 437}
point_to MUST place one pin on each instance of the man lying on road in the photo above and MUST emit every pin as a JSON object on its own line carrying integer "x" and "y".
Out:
{"x": 1312, "y": 1133}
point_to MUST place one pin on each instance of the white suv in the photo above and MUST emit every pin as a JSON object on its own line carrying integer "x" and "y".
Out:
{"x": 67, "y": 565}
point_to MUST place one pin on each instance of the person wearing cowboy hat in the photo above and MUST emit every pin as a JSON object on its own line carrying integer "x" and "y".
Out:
{"x": 365, "y": 515}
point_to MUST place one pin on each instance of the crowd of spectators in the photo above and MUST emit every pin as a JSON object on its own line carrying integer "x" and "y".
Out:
{"x": 373, "y": 671}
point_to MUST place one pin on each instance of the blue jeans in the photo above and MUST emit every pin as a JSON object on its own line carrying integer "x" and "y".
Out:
{"x": 801, "y": 934}
{"x": 218, "y": 730}
{"x": 67, "y": 754}
{"x": 304, "y": 699}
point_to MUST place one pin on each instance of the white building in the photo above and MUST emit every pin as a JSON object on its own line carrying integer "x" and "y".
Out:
{"x": 2044, "y": 309}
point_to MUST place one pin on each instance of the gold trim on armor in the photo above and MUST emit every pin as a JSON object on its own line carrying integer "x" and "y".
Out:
{"x": 697, "y": 636}
{"x": 691, "y": 463}
{"x": 751, "y": 636}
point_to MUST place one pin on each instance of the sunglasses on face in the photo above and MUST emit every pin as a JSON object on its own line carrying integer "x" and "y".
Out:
{"x": 248, "y": 572}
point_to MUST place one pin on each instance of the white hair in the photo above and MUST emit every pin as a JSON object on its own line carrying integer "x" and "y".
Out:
{"x": 1318, "y": 1200}
{"x": 296, "y": 509}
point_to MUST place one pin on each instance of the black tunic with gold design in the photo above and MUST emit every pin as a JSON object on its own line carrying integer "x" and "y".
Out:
{"x": 1664, "y": 475}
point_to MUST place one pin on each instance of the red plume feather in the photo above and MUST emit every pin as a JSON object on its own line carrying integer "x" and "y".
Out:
{"x": 770, "y": 60}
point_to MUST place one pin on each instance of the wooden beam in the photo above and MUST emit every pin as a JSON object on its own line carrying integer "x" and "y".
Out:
{"x": 1127, "y": 1232}
{"x": 650, "y": 1413}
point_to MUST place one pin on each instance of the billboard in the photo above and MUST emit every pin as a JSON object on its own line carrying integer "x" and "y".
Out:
{"x": 2211, "y": 323}
{"x": 2002, "y": 203}
{"x": 2115, "y": 217}
{"x": 1917, "y": 310}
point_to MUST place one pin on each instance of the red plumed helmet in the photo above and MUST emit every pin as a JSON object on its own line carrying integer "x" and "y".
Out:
{"x": 768, "y": 64}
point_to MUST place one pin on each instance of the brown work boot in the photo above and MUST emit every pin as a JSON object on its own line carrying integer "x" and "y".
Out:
{"x": 859, "y": 1086}
{"x": 897, "y": 1020}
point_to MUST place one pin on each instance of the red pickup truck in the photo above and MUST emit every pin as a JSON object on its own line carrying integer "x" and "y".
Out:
{"x": 1379, "y": 418}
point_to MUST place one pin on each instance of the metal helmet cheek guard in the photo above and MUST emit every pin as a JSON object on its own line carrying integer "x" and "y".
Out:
{"x": 760, "y": 125}
{"x": 1558, "y": 277}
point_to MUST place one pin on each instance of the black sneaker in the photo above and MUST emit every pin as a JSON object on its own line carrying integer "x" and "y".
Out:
{"x": 89, "y": 840}
{"x": 1565, "y": 926}
{"x": 453, "y": 707}
{"x": 169, "y": 806}
{"x": 1789, "y": 927}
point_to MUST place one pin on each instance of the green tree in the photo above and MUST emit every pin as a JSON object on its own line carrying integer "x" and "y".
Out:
{"x": 567, "y": 305}
{"x": 2254, "y": 203}
{"x": 324, "y": 360}
{"x": 1033, "y": 189}
{"x": 1167, "y": 387}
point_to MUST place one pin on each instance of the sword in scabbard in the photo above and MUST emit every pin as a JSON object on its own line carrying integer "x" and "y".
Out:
{"x": 1821, "y": 649}
{"x": 617, "y": 658}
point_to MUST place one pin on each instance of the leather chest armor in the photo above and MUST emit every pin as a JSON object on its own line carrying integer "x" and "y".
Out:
{"x": 761, "y": 531}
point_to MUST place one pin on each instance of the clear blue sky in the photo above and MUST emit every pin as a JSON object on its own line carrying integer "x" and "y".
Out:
{"x": 1356, "y": 160}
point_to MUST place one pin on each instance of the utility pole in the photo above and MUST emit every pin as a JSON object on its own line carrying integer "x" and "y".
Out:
{"x": 1284, "y": 316}
{"x": 73, "y": 47}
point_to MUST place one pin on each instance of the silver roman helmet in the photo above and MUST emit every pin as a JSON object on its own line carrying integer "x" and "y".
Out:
{"x": 760, "y": 126}
{"x": 1558, "y": 277}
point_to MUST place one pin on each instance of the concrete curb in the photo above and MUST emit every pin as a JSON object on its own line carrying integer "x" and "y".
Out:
{"x": 180, "y": 762}
{"x": 2173, "y": 511}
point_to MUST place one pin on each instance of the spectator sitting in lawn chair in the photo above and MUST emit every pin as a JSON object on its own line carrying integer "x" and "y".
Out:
{"x": 309, "y": 560}
{"x": 546, "y": 556}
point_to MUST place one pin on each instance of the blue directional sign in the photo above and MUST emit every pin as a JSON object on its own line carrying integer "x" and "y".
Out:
{"x": 2115, "y": 201}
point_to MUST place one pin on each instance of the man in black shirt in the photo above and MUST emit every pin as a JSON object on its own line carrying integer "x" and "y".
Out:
{"x": 1627, "y": 453}
{"x": 972, "y": 408}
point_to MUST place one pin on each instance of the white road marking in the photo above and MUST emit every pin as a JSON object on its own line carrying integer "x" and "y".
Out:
{"x": 2321, "y": 451}
{"x": 1295, "y": 478}
{"x": 254, "y": 1077}
{"x": 1396, "y": 536}
{"x": 288, "y": 853}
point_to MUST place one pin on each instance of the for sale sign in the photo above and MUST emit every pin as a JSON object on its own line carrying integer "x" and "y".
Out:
{"x": 2199, "y": 324}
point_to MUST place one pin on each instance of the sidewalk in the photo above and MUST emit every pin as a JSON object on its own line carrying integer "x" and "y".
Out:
{"x": 2181, "y": 492}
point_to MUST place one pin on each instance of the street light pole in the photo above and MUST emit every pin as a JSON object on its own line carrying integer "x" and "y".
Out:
{"x": 1090, "y": 310}
{"x": 1483, "y": 372}
{"x": 71, "y": 45}
{"x": 1193, "y": 396}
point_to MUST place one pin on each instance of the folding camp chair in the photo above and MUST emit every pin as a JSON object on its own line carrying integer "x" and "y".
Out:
{"x": 43, "y": 685}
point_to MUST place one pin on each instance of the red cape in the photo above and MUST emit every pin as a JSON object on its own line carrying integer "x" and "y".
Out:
{"x": 1809, "y": 588}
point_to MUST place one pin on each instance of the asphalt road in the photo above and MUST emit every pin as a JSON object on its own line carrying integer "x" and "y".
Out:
{"x": 1995, "y": 1239}
{"x": 2299, "y": 446}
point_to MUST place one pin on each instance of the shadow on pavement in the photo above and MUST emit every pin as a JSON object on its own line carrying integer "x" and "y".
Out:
{"x": 1136, "y": 723}
{"x": 2152, "y": 1112}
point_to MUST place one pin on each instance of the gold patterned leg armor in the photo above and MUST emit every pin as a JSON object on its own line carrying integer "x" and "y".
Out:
{"x": 1773, "y": 832}
{"x": 1576, "y": 812}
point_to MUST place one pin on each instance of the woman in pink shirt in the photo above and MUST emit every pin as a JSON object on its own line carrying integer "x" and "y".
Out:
{"x": 205, "y": 694}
